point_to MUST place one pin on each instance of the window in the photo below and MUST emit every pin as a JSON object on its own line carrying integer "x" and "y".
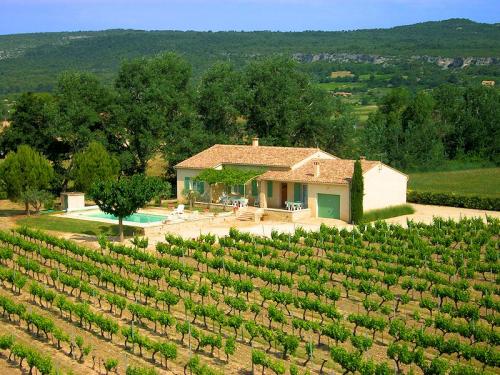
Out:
{"x": 199, "y": 186}
{"x": 255, "y": 191}
{"x": 187, "y": 183}
{"x": 269, "y": 189}
{"x": 238, "y": 189}
{"x": 297, "y": 192}
{"x": 304, "y": 196}
{"x": 300, "y": 194}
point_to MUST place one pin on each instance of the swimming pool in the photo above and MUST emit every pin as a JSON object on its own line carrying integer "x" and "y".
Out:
{"x": 138, "y": 217}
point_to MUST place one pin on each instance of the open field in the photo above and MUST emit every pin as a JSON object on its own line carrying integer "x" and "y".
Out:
{"x": 363, "y": 111}
{"x": 484, "y": 182}
{"x": 341, "y": 74}
{"x": 338, "y": 294}
{"x": 342, "y": 86}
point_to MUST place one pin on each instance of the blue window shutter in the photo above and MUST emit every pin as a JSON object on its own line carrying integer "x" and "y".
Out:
{"x": 187, "y": 183}
{"x": 241, "y": 189}
{"x": 254, "y": 188}
{"x": 269, "y": 189}
{"x": 304, "y": 195}
{"x": 296, "y": 192}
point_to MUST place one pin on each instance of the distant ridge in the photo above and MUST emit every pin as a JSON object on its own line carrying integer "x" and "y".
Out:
{"x": 33, "y": 61}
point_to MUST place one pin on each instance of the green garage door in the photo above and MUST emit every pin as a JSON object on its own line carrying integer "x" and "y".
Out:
{"x": 329, "y": 206}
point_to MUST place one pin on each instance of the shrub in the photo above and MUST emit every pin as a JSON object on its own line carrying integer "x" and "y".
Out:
{"x": 133, "y": 370}
{"x": 385, "y": 213}
{"x": 110, "y": 365}
{"x": 450, "y": 199}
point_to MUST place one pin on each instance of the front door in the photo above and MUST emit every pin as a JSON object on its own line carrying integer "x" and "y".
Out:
{"x": 284, "y": 193}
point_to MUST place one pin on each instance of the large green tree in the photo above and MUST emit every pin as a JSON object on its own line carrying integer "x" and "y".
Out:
{"x": 221, "y": 97}
{"x": 284, "y": 108}
{"x": 24, "y": 173}
{"x": 125, "y": 196}
{"x": 471, "y": 118}
{"x": 83, "y": 107}
{"x": 62, "y": 124}
{"x": 276, "y": 88}
{"x": 156, "y": 110}
{"x": 32, "y": 123}
{"x": 403, "y": 132}
{"x": 93, "y": 164}
{"x": 423, "y": 147}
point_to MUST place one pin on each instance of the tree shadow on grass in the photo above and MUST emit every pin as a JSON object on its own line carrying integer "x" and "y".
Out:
{"x": 7, "y": 213}
{"x": 109, "y": 232}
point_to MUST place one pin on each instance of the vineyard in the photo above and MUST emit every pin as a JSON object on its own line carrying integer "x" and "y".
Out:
{"x": 379, "y": 299}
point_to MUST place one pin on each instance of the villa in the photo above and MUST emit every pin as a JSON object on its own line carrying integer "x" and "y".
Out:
{"x": 295, "y": 182}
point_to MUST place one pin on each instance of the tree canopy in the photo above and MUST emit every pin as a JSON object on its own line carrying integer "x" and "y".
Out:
{"x": 227, "y": 176}
{"x": 155, "y": 108}
{"x": 93, "y": 164}
{"x": 123, "y": 197}
{"x": 420, "y": 130}
{"x": 25, "y": 172}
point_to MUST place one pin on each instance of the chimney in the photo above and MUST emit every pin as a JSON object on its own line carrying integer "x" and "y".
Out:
{"x": 255, "y": 141}
{"x": 316, "y": 169}
{"x": 362, "y": 157}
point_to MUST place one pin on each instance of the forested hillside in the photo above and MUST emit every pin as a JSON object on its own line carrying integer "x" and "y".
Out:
{"x": 34, "y": 61}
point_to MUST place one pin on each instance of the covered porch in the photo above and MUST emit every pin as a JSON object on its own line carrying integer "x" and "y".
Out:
{"x": 283, "y": 195}
{"x": 283, "y": 201}
{"x": 272, "y": 195}
{"x": 269, "y": 200}
{"x": 246, "y": 190}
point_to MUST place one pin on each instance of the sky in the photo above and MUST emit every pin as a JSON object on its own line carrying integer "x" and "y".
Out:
{"x": 22, "y": 16}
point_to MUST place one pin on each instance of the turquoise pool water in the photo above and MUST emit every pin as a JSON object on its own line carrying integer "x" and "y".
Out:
{"x": 135, "y": 218}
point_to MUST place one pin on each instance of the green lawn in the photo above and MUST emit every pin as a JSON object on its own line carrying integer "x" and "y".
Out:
{"x": 484, "y": 182}
{"x": 341, "y": 86}
{"x": 51, "y": 222}
{"x": 363, "y": 111}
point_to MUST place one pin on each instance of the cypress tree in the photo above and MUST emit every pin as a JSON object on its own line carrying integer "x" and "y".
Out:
{"x": 357, "y": 193}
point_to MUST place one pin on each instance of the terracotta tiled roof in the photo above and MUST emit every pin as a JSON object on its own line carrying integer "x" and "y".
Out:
{"x": 332, "y": 171}
{"x": 266, "y": 156}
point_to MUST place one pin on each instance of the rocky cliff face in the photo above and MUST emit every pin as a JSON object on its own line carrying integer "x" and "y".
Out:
{"x": 444, "y": 62}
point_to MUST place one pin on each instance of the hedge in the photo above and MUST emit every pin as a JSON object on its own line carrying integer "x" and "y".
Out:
{"x": 450, "y": 199}
{"x": 387, "y": 212}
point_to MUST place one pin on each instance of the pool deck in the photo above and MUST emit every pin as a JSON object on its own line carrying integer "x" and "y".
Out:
{"x": 169, "y": 218}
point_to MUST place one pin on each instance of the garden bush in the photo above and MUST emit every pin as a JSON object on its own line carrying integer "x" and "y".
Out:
{"x": 450, "y": 199}
{"x": 387, "y": 212}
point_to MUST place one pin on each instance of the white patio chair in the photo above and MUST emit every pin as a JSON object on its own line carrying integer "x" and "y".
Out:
{"x": 179, "y": 210}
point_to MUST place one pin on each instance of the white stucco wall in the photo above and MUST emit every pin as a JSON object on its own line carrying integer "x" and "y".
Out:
{"x": 274, "y": 201}
{"x": 181, "y": 174}
{"x": 342, "y": 190}
{"x": 383, "y": 187}
{"x": 72, "y": 201}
